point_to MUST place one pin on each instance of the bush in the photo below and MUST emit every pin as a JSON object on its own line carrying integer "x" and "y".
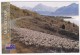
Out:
{"x": 73, "y": 25}
{"x": 68, "y": 22}
{"x": 46, "y": 26}
{"x": 69, "y": 34}
{"x": 63, "y": 26}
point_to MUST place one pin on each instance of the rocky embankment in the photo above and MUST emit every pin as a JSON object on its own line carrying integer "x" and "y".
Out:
{"x": 30, "y": 37}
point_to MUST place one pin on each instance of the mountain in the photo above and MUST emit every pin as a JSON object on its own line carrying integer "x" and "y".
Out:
{"x": 43, "y": 9}
{"x": 69, "y": 10}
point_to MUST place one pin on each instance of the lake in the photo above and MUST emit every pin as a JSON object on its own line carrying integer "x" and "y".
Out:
{"x": 74, "y": 19}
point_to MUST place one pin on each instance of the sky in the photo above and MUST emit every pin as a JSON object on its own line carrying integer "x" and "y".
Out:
{"x": 33, "y": 4}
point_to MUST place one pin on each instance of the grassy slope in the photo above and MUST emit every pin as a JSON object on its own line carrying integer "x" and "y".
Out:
{"x": 46, "y": 24}
{"x": 16, "y": 12}
{"x": 50, "y": 25}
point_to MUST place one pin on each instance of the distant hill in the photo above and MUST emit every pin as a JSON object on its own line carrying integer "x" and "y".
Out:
{"x": 43, "y": 9}
{"x": 70, "y": 10}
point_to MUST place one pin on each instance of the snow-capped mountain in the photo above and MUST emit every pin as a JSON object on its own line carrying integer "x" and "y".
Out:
{"x": 43, "y": 9}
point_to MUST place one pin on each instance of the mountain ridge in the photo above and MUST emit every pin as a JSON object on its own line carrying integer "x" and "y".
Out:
{"x": 69, "y": 10}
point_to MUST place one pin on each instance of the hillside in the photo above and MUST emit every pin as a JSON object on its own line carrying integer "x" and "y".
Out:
{"x": 29, "y": 24}
{"x": 45, "y": 24}
{"x": 16, "y": 12}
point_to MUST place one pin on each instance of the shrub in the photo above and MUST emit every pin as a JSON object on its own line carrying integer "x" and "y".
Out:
{"x": 69, "y": 34}
{"x": 68, "y": 22}
{"x": 73, "y": 25}
{"x": 63, "y": 26}
{"x": 46, "y": 26}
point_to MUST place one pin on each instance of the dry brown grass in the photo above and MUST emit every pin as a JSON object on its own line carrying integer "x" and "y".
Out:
{"x": 16, "y": 12}
{"x": 47, "y": 25}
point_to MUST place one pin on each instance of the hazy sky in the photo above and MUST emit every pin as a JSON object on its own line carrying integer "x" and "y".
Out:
{"x": 33, "y": 4}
